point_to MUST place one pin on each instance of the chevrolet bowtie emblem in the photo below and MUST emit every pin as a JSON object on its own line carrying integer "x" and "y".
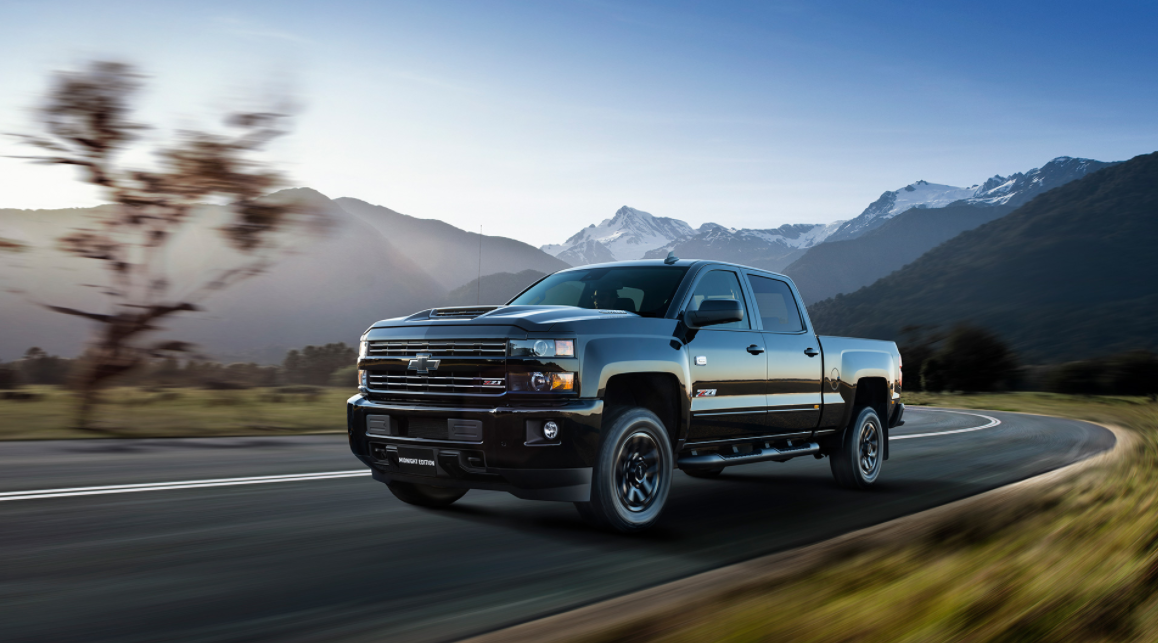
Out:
{"x": 423, "y": 364}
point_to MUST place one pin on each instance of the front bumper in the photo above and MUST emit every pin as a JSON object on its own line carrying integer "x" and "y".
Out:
{"x": 503, "y": 459}
{"x": 898, "y": 417}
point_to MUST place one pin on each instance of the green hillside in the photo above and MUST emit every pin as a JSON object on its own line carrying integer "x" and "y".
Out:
{"x": 498, "y": 288}
{"x": 844, "y": 266}
{"x": 1069, "y": 275}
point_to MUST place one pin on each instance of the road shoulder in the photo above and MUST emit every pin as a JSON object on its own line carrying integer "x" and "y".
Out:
{"x": 664, "y": 606}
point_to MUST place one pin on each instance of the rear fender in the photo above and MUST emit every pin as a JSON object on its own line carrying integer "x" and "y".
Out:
{"x": 855, "y": 366}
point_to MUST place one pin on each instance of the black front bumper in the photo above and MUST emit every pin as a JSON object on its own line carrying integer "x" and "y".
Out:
{"x": 504, "y": 458}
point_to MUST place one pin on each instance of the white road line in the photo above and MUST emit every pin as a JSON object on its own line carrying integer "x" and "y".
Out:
{"x": 185, "y": 484}
{"x": 992, "y": 423}
{"x": 327, "y": 475}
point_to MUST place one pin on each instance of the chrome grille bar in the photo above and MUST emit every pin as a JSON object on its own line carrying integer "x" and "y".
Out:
{"x": 437, "y": 384}
{"x": 402, "y": 348}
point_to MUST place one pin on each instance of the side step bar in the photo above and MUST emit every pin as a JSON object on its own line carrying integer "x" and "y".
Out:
{"x": 764, "y": 454}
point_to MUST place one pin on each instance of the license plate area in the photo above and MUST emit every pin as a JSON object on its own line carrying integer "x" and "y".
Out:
{"x": 417, "y": 461}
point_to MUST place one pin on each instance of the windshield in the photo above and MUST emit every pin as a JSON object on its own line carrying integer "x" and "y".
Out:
{"x": 647, "y": 291}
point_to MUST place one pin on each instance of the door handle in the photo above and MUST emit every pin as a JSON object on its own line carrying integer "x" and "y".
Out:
{"x": 811, "y": 352}
{"x": 755, "y": 350}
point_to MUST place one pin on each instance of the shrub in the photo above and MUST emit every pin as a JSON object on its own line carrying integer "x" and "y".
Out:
{"x": 315, "y": 364}
{"x": 1133, "y": 373}
{"x": 9, "y": 377}
{"x": 972, "y": 360}
{"x": 38, "y": 367}
{"x": 345, "y": 377}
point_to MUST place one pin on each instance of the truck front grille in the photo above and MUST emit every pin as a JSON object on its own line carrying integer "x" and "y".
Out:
{"x": 402, "y": 348}
{"x": 438, "y": 384}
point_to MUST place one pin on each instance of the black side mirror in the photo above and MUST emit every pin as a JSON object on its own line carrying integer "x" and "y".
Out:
{"x": 714, "y": 311}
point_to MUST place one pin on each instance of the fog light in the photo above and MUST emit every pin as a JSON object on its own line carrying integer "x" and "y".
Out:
{"x": 540, "y": 382}
{"x": 562, "y": 381}
{"x": 550, "y": 430}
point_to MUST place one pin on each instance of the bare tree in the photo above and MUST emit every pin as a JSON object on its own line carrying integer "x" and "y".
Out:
{"x": 86, "y": 122}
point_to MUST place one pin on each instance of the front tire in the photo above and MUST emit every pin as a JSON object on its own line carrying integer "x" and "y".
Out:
{"x": 856, "y": 462}
{"x": 424, "y": 495}
{"x": 632, "y": 473}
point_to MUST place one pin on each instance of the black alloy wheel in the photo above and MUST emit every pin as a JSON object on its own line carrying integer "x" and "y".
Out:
{"x": 637, "y": 472}
{"x": 632, "y": 473}
{"x": 856, "y": 462}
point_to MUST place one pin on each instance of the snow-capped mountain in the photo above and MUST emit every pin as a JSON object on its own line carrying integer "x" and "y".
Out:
{"x": 634, "y": 234}
{"x": 627, "y": 235}
{"x": 792, "y": 235}
{"x": 771, "y": 249}
{"x": 1019, "y": 188}
{"x": 1012, "y": 190}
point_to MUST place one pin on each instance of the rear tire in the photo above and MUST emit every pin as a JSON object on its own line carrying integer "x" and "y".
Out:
{"x": 424, "y": 495}
{"x": 856, "y": 461}
{"x": 704, "y": 473}
{"x": 632, "y": 473}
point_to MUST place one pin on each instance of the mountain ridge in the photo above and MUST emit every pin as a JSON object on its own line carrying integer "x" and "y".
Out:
{"x": 1013, "y": 190}
{"x": 451, "y": 254}
{"x": 629, "y": 234}
{"x": 1067, "y": 275}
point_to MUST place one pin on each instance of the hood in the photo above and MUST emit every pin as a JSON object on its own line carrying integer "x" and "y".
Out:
{"x": 529, "y": 318}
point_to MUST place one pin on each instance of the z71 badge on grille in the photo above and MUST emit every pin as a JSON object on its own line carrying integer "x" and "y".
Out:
{"x": 706, "y": 392}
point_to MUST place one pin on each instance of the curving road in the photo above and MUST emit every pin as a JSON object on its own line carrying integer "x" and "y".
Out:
{"x": 335, "y": 557}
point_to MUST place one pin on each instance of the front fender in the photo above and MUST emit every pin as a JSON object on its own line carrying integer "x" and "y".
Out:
{"x": 606, "y": 357}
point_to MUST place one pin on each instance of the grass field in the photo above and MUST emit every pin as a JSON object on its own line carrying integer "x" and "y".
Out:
{"x": 182, "y": 412}
{"x": 1076, "y": 563}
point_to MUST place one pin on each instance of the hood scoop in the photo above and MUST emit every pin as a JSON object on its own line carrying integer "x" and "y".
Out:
{"x": 461, "y": 312}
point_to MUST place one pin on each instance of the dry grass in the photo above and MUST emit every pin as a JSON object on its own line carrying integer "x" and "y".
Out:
{"x": 187, "y": 412}
{"x": 1076, "y": 563}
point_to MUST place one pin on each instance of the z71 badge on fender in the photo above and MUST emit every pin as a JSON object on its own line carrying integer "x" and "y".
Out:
{"x": 706, "y": 392}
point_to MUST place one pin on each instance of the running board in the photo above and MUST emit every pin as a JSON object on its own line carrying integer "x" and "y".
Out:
{"x": 717, "y": 461}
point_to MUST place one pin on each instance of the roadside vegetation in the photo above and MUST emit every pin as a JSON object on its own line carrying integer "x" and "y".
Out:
{"x": 46, "y": 412}
{"x": 1075, "y": 562}
{"x": 169, "y": 398}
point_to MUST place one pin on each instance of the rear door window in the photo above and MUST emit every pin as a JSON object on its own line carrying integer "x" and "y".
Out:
{"x": 778, "y": 310}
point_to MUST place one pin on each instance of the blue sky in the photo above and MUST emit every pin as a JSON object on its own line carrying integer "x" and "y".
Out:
{"x": 537, "y": 118}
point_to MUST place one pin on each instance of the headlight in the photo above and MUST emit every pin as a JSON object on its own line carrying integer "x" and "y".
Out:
{"x": 363, "y": 346}
{"x": 543, "y": 382}
{"x": 543, "y": 348}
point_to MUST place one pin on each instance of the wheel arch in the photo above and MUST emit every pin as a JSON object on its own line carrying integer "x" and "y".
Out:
{"x": 661, "y": 393}
{"x": 872, "y": 392}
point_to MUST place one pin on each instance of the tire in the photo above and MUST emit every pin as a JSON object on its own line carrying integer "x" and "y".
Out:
{"x": 424, "y": 495}
{"x": 856, "y": 461}
{"x": 704, "y": 473}
{"x": 632, "y": 473}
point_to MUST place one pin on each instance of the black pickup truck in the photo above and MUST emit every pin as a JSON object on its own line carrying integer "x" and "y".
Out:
{"x": 594, "y": 384}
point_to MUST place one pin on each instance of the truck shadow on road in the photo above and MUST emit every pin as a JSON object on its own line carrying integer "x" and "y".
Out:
{"x": 732, "y": 518}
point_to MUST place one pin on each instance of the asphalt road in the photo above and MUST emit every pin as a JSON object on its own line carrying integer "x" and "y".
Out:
{"x": 329, "y": 559}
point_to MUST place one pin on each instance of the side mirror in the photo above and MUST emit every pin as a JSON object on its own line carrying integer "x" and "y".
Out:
{"x": 714, "y": 311}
